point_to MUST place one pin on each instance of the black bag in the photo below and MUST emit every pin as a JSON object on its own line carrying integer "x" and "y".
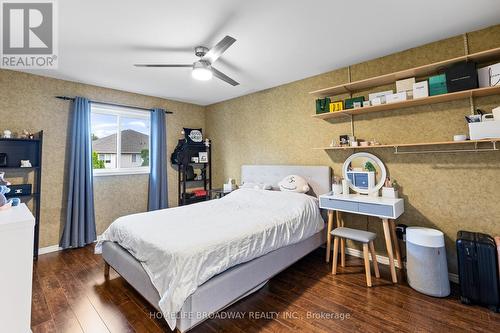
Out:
{"x": 175, "y": 158}
{"x": 461, "y": 76}
{"x": 184, "y": 151}
{"x": 323, "y": 105}
{"x": 3, "y": 159}
{"x": 189, "y": 172}
{"x": 478, "y": 269}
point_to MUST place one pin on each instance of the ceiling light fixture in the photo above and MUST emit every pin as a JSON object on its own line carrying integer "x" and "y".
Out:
{"x": 202, "y": 71}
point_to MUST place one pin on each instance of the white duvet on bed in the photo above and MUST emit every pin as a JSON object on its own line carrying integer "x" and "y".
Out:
{"x": 181, "y": 248}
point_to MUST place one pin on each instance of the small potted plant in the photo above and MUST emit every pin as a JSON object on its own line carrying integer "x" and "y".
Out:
{"x": 390, "y": 189}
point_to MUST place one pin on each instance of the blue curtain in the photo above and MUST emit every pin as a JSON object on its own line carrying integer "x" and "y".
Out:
{"x": 79, "y": 229}
{"x": 158, "y": 189}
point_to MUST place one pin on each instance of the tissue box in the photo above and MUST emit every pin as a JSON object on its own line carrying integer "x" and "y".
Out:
{"x": 484, "y": 130}
{"x": 437, "y": 85}
{"x": 389, "y": 192}
{"x": 489, "y": 76}
{"x": 380, "y": 95}
{"x": 397, "y": 97}
{"x": 405, "y": 85}
{"x": 420, "y": 89}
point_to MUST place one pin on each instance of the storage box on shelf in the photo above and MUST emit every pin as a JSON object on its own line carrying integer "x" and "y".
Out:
{"x": 484, "y": 130}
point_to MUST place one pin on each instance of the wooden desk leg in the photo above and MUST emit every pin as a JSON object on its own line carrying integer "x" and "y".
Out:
{"x": 396, "y": 244}
{"x": 335, "y": 254}
{"x": 374, "y": 259}
{"x": 388, "y": 244}
{"x": 340, "y": 223}
{"x": 367, "y": 265}
{"x": 328, "y": 235}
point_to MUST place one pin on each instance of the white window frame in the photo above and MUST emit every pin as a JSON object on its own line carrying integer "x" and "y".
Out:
{"x": 120, "y": 112}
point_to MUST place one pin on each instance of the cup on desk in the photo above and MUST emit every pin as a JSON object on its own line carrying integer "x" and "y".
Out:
{"x": 337, "y": 189}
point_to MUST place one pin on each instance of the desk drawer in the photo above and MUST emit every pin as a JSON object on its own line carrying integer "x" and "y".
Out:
{"x": 375, "y": 209}
{"x": 338, "y": 204}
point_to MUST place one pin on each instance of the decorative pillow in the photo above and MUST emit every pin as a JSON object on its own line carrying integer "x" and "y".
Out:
{"x": 257, "y": 186}
{"x": 193, "y": 135}
{"x": 294, "y": 183}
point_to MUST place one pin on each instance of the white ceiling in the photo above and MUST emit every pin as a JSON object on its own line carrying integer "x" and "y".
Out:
{"x": 278, "y": 41}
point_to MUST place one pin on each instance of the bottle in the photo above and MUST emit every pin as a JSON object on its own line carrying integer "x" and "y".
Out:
{"x": 345, "y": 187}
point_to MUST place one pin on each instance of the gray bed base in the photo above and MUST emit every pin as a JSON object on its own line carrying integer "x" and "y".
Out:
{"x": 220, "y": 291}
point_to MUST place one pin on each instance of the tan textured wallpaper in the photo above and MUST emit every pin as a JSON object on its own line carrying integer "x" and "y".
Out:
{"x": 27, "y": 102}
{"x": 445, "y": 191}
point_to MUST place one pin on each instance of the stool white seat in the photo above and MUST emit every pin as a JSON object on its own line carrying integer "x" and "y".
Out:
{"x": 361, "y": 236}
{"x": 354, "y": 234}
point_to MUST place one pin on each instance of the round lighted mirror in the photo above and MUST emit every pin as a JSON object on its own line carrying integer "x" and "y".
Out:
{"x": 366, "y": 173}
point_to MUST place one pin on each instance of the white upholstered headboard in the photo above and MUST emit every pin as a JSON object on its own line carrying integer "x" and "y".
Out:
{"x": 318, "y": 177}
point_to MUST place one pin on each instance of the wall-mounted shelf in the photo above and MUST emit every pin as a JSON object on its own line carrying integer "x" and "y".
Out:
{"x": 18, "y": 149}
{"x": 397, "y": 150}
{"x": 412, "y": 102}
{"x": 421, "y": 71}
{"x": 19, "y": 168}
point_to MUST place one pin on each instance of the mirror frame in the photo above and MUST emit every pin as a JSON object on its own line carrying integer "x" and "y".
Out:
{"x": 380, "y": 164}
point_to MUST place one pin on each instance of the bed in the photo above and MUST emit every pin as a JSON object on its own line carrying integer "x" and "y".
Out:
{"x": 187, "y": 291}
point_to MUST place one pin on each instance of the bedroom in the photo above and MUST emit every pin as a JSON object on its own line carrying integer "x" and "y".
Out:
{"x": 103, "y": 160}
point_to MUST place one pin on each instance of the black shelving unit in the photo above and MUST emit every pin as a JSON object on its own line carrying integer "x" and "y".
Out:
{"x": 26, "y": 149}
{"x": 185, "y": 185}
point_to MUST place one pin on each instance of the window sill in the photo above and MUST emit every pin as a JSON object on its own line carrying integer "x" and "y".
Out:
{"x": 120, "y": 172}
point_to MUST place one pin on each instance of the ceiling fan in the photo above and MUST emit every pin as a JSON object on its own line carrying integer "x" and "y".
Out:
{"x": 203, "y": 69}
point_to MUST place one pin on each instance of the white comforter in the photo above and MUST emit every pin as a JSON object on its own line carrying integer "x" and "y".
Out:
{"x": 181, "y": 248}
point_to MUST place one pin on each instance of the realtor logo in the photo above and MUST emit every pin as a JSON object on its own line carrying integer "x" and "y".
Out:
{"x": 28, "y": 34}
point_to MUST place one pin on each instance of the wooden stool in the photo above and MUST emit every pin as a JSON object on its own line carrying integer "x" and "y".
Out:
{"x": 364, "y": 237}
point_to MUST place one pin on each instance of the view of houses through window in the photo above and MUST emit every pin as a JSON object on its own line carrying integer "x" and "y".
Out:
{"x": 120, "y": 139}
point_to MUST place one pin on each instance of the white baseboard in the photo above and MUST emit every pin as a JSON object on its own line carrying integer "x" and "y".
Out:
{"x": 385, "y": 261}
{"x": 55, "y": 248}
{"x": 49, "y": 249}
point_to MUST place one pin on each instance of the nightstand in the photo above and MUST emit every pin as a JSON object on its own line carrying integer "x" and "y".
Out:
{"x": 216, "y": 193}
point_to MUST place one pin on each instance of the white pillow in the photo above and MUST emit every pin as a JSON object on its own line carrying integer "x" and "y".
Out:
{"x": 294, "y": 183}
{"x": 257, "y": 186}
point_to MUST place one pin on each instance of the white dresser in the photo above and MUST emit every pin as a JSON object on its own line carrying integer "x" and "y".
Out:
{"x": 16, "y": 262}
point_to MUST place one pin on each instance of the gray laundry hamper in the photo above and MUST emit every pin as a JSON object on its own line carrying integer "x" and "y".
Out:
{"x": 426, "y": 265}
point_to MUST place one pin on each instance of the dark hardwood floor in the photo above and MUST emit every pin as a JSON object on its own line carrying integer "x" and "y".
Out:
{"x": 70, "y": 294}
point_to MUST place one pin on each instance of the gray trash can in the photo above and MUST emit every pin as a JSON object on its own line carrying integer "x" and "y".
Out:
{"x": 426, "y": 261}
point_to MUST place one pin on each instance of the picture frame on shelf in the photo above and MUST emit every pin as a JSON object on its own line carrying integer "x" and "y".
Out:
{"x": 203, "y": 157}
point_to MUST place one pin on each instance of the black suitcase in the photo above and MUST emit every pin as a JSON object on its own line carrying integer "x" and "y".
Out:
{"x": 478, "y": 270}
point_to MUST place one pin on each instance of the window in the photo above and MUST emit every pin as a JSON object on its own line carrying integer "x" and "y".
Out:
{"x": 120, "y": 140}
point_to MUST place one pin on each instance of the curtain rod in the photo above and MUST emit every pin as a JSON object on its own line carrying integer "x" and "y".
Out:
{"x": 66, "y": 98}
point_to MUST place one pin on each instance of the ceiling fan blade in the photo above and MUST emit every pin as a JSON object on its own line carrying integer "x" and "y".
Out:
{"x": 224, "y": 77}
{"x": 162, "y": 65}
{"x": 215, "y": 52}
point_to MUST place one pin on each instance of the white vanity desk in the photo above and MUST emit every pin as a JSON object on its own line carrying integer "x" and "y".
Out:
{"x": 357, "y": 171}
{"x": 387, "y": 209}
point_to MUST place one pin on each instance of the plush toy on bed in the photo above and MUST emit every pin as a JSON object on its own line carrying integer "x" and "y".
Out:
{"x": 294, "y": 183}
{"x": 4, "y": 203}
